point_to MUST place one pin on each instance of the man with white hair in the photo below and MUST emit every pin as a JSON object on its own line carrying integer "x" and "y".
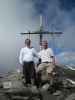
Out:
{"x": 47, "y": 59}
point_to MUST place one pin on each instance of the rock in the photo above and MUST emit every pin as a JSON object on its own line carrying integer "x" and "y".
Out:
{"x": 45, "y": 87}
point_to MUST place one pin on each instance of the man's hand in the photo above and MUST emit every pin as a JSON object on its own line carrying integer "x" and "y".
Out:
{"x": 53, "y": 60}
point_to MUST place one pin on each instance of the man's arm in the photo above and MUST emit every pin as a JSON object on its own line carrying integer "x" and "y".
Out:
{"x": 35, "y": 53}
{"x": 37, "y": 56}
{"x": 21, "y": 57}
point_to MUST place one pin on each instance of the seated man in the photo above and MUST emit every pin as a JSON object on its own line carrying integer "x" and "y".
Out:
{"x": 47, "y": 61}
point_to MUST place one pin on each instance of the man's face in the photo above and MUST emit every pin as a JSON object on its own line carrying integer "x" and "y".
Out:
{"x": 45, "y": 45}
{"x": 28, "y": 42}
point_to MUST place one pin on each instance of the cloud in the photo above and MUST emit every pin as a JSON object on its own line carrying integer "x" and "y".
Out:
{"x": 16, "y": 16}
{"x": 59, "y": 15}
{"x": 67, "y": 58}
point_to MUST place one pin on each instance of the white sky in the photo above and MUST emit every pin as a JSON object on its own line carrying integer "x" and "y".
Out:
{"x": 16, "y": 16}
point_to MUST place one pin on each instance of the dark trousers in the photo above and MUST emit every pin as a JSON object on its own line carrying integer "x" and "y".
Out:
{"x": 29, "y": 72}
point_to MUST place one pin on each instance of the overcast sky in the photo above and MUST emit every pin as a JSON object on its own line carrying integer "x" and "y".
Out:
{"x": 18, "y": 16}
